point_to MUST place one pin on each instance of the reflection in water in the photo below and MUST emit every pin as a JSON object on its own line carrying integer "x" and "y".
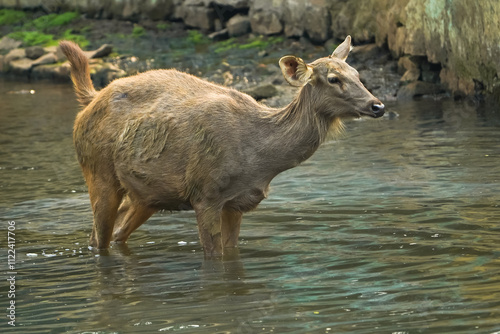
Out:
{"x": 391, "y": 229}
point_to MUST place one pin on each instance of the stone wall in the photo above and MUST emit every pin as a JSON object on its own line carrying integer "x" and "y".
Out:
{"x": 460, "y": 38}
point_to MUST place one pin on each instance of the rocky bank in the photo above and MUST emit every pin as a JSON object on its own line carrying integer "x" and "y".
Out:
{"x": 438, "y": 45}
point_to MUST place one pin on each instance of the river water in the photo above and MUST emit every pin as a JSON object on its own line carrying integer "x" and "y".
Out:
{"x": 392, "y": 228}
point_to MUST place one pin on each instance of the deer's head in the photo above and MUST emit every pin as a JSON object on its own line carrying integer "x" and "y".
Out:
{"x": 335, "y": 88}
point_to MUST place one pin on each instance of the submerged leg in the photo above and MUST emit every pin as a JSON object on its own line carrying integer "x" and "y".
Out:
{"x": 131, "y": 215}
{"x": 105, "y": 197}
{"x": 230, "y": 228}
{"x": 209, "y": 229}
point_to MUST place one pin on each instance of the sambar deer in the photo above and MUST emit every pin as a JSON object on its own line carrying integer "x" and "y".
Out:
{"x": 167, "y": 140}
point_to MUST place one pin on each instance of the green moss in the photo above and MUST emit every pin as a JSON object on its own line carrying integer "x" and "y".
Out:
{"x": 9, "y": 16}
{"x": 138, "y": 31}
{"x": 52, "y": 20}
{"x": 63, "y": 19}
{"x": 196, "y": 37}
{"x": 78, "y": 39}
{"x": 226, "y": 45}
{"x": 261, "y": 43}
{"x": 30, "y": 38}
{"x": 258, "y": 42}
{"x": 35, "y": 31}
{"x": 163, "y": 26}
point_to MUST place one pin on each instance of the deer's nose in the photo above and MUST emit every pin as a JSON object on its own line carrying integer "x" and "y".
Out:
{"x": 378, "y": 109}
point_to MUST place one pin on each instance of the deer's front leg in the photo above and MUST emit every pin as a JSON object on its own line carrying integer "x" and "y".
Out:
{"x": 209, "y": 229}
{"x": 230, "y": 228}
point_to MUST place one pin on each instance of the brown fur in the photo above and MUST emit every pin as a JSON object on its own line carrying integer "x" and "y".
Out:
{"x": 168, "y": 140}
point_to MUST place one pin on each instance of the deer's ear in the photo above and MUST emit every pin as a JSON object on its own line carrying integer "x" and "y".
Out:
{"x": 342, "y": 51}
{"x": 295, "y": 71}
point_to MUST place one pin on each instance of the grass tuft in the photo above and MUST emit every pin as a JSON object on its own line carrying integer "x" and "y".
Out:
{"x": 138, "y": 31}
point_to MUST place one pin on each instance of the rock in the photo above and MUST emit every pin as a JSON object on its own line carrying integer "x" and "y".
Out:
{"x": 158, "y": 9}
{"x": 14, "y": 54}
{"x": 365, "y": 53}
{"x": 293, "y": 18}
{"x": 238, "y": 25}
{"x": 34, "y": 52}
{"x": 131, "y": 11}
{"x": 228, "y": 78}
{"x": 410, "y": 76}
{"x": 330, "y": 45}
{"x": 218, "y": 25}
{"x": 49, "y": 58}
{"x": 52, "y": 72}
{"x": 237, "y": 4}
{"x": 419, "y": 88}
{"x": 197, "y": 16}
{"x": 7, "y": 43}
{"x": 20, "y": 66}
{"x": 260, "y": 92}
{"x": 265, "y": 17}
{"x": 430, "y": 76}
{"x": 56, "y": 50}
{"x": 105, "y": 73}
{"x": 407, "y": 63}
{"x": 103, "y": 51}
{"x": 463, "y": 36}
{"x": 317, "y": 21}
{"x": 459, "y": 86}
{"x": 357, "y": 18}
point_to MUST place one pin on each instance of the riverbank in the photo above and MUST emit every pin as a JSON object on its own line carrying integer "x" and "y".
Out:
{"x": 240, "y": 52}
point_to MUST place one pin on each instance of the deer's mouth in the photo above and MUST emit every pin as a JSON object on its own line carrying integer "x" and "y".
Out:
{"x": 370, "y": 114}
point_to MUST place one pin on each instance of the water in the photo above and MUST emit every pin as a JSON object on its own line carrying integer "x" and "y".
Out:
{"x": 393, "y": 228}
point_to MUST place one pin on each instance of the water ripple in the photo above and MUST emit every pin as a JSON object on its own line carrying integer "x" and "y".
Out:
{"x": 391, "y": 229}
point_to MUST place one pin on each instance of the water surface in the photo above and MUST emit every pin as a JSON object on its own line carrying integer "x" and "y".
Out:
{"x": 392, "y": 228}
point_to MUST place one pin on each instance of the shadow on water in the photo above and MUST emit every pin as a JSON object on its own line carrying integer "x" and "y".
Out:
{"x": 392, "y": 228}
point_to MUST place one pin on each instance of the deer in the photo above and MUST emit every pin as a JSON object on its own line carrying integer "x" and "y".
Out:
{"x": 168, "y": 140}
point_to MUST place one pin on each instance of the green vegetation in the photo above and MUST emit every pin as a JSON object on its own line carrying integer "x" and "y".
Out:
{"x": 259, "y": 42}
{"x": 138, "y": 31}
{"x": 78, "y": 39}
{"x": 30, "y": 38}
{"x": 52, "y": 20}
{"x": 163, "y": 26}
{"x": 36, "y": 32}
{"x": 226, "y": 45}
{"x": 9, "y": 16}
{"x": 196, "y": 37}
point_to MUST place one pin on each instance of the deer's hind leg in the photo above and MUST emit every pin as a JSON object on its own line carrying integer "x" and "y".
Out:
{"x": 131, "y": 215}
{"x": 105, "y": 196}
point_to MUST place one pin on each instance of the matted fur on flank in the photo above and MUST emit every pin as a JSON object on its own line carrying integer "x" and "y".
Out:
{"x": 167, "y": 140}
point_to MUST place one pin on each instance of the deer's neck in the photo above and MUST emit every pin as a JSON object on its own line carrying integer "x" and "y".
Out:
{"x": 299, "y": 129}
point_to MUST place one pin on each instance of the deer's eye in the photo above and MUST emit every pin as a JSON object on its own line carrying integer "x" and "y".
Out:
{"x": 333, "y": 80}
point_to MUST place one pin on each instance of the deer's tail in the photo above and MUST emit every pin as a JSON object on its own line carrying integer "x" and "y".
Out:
{"x": 80, "y": 72}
